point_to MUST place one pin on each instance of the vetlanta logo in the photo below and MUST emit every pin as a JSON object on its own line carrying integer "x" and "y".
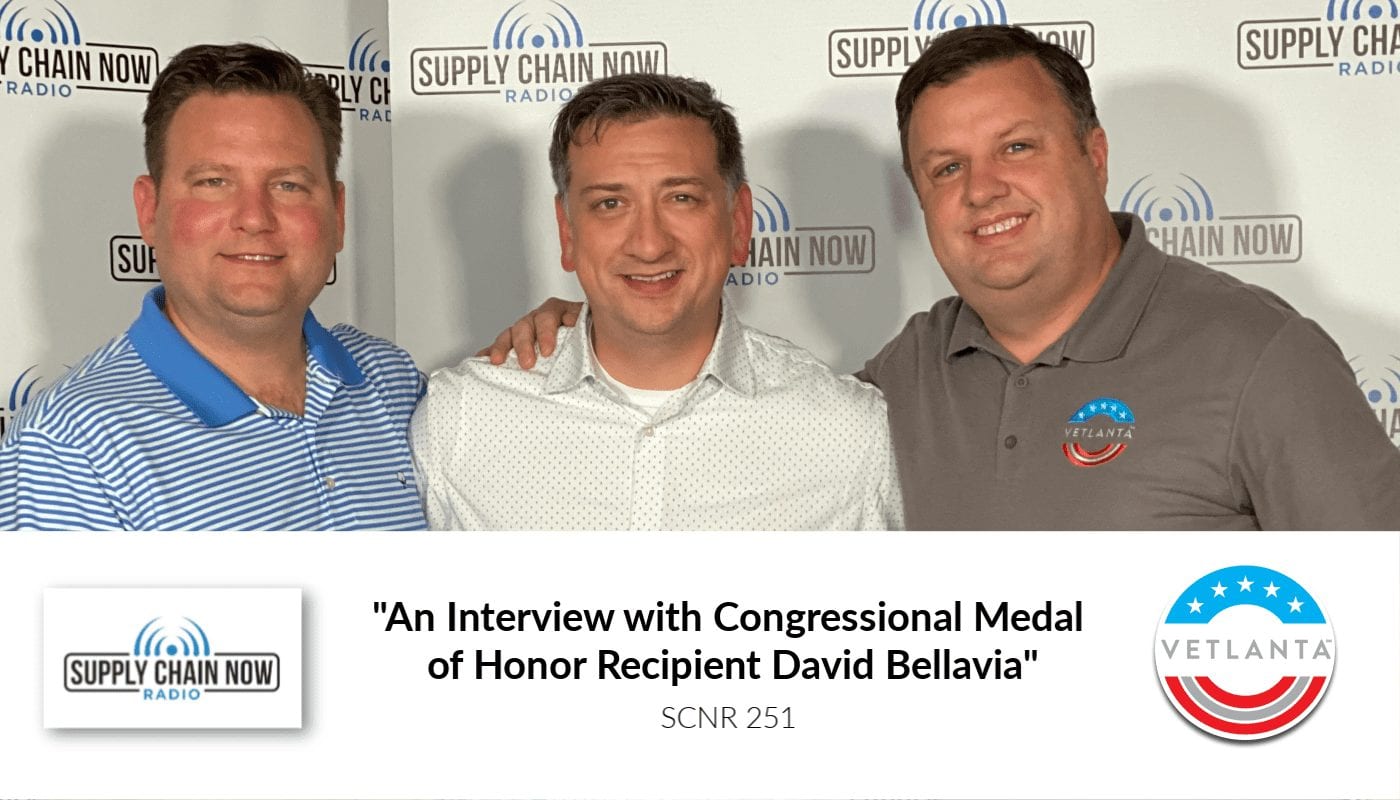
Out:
{"x": 779, "y": 248}
{"x": 1098, "y": 432}
{"x": 362, "y": 81}
{"x": 1355, "y": 38}
{"x": 131, "y": 260}
{"x": 538, "y": 52}
{"x": 1245, "y": 653}
{"x": 1182, "y": 220}
{"x": 1379, "y": 381}
{"x": 45, "y": 52}
{"x": 861, "y": 52}
{"x": 171, "y": 660}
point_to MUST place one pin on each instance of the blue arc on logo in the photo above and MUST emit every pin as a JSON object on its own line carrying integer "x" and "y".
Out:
{"x": 940, "y": 15}
{"x": 62, "y": 29}
{"x": 361, "y": 59}
{"x": 766, "y": 216}
{"x": 157, "y": 640}
{"x": 1379, "y": 390}
{"x": 1242, "y": 585}
{"x": 1116, "y": 410}
{"x": 537, "y": 29}
{"x": 1353, "y": 9}
{"x": 1179, "y": 203}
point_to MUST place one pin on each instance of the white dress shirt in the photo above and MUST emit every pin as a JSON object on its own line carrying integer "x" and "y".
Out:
{"x": 766, "y": 437}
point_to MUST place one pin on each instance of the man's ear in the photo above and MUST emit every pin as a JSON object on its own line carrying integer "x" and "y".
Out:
{"x": 566, "y": 235}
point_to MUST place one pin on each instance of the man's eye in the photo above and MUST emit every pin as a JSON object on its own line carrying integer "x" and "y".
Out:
{"x": 684, "y": 198}
{"x": 289, "y": 186}
{"x": 1018, "y": 147}
{"x": 209, "y": 182}
{"x": 947, "y": 169}
{"x": 607, "y": 203}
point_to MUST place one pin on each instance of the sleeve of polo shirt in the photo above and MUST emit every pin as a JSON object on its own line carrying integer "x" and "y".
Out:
{"x": 1306, "y": 452}
{"x": 54, "y": 486}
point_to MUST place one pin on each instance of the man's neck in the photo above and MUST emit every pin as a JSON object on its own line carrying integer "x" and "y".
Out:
{"x": 266, "y": 362}
{"x": 651, "y": 362}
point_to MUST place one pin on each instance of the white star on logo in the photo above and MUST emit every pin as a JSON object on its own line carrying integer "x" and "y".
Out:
{"x": 1271, "y": 590}
{"x": 1219, "y": 589}
{"x": 1195, "y": 606}
{"x": 1245, "y": 584}
{"x": 1296, "y": 605}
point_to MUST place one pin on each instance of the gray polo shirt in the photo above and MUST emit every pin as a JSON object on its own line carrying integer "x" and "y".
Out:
{"x": 1181, "y": 398}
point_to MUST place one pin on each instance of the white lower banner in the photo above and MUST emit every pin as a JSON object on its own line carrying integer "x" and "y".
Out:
{"x": 703, "y": 665}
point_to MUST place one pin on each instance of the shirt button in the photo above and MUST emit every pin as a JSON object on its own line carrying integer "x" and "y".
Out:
{"x": 1022, "y": 381}
{"x": 1010, "y": 442}
{"x": 330, "y": 483}
{"x": 647, "y": 431}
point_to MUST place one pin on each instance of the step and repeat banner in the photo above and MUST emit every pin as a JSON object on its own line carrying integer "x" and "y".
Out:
{"x": 1242, "y": 132}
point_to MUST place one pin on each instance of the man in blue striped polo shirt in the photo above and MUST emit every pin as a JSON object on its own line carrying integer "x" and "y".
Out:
{"x": 226, "y": 405}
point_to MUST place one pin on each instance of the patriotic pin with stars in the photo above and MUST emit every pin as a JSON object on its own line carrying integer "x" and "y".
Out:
{"x": 1245, "y": 653}
{"x": 1098, "y": 432}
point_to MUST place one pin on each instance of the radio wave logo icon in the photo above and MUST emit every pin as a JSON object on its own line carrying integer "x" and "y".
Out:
{"x": 39, "y": 23}
{"x": 365, "y": 55}
{"x": 553, "y": 26}
{"x": 770, "y": 217}
{"x": 20, "y": 391}
{"x": 1353, "y": 9}
{"x": 183, "y": 637}
{"x": 1384, "y": 390}
{"x": 1103, "y": 420}
{"x": 1245, "y": 653}
{"x": 940, "y": 15}
{"x": 1173, "y": 201}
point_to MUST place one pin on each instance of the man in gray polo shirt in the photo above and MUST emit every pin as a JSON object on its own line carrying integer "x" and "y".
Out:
{"x": 1082, "y": 378}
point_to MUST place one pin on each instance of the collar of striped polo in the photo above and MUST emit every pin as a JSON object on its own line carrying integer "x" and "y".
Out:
{"x": 201, "y": 386}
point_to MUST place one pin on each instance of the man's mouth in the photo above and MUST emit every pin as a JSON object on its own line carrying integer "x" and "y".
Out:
{"x": 659, "y": 277}
{"x": 252, "y": 258}
{"x": 1001, "y": 226}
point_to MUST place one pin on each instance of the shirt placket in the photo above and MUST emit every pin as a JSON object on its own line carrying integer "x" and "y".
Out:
{"x": 1016, "y": 408}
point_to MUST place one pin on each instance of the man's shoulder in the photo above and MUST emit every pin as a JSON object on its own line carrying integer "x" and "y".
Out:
{"x": 112, "y": 380}
{"x": 1218, "y": 304}
{"x": 780, "y": 364}
{"x": 372, "y": 352}
{"x": 476, "y": 376}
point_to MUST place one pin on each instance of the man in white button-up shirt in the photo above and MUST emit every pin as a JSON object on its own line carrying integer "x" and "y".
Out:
{"x": 660, "y": 410}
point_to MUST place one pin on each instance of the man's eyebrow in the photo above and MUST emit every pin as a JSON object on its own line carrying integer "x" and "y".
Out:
{"x": 206, "y": 166}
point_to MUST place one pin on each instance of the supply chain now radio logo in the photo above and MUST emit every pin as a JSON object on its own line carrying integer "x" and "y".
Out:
{"x": 861, "y": 52}
{"x": 1354, "y": 37}
{"x": 1181, "y": 219}
{"x": 171, "y": 659}
{"x": 1379, "y": 382}
{"x": 362, "y": 82}
{"x": 779, "y": 248}
{"x": 44, "y": 52}
{"x": 132, "y": 260}
{"x": 1245, "y": 653}
{"x": 538, "y": 53}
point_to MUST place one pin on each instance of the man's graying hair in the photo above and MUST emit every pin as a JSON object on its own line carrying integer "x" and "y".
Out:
{"x": 636, "y": 98}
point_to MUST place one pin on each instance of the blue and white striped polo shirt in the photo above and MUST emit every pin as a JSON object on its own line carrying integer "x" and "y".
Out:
{"x": 147, "y": 434}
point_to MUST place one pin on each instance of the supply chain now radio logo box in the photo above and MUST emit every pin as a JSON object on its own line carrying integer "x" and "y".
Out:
{"x": 172, "y": 658}
{"x": 46, "y": 52}
{"x": 862, "y": 52}
{"x": 538, "y": 51}
{"x": 1354, "y": 38}
{"x": 779, "y": 247}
